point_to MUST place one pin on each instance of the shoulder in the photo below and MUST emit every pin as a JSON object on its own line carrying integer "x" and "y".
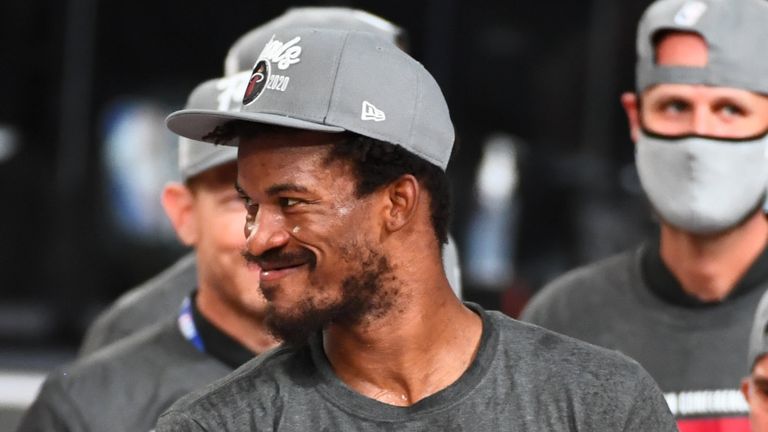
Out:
{"x": 145, "y": 304}
{"x": 145, "y": 363}
{"x": 529, "y": 343}
{"x": 128, "y": 383}
{"x": 157, "y": 344}
{"x": 553, "y": 363}
{"x": 167, "y": 289}
{"x": 584, "y": 287}
{"x": 262, "y": 378}
{"x": 72, "y": 396}
{"x": 52, "y": 409}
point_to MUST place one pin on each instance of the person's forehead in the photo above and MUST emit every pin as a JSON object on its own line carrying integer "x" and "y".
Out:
{"x": 761, "y": 367}
{"x": 681, "y": 49}
{"x": 283, "y": 145}
{"x": 286, "y": 137}
{"x": 286, "y": 157}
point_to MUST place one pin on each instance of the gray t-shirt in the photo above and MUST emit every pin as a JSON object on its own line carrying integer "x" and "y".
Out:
{"x": 524, "y": 378}
{"x": 125, "y": 386}
{"x": 696, "y": 353}
{"x": 151, "y": 302}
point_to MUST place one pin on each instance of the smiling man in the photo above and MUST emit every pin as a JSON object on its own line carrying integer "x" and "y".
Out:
{"x": 682, "y": 304}
{"x": 342, "y": 171}
{"x": 160, "y": 296}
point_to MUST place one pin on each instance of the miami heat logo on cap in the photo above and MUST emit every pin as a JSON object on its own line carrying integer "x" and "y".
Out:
{"x": 257, "y": 82}
{"x": 280, "y": 54}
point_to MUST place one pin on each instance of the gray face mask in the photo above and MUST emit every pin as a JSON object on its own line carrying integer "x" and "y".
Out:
{"x": 703, "y": 185}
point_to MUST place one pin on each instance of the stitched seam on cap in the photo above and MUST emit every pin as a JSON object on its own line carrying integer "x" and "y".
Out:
{"x": 335, "y": 77}
{"x": 416, "y": 105}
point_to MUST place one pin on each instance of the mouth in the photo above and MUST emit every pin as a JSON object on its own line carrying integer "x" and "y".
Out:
{"x": 276, "y": 264}
{"x": 277, "y": 271}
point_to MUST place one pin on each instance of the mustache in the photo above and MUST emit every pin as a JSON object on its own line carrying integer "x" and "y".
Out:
{"x": 278, "y": 258}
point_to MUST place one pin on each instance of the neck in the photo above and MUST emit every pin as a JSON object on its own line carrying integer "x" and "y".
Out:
{"x": 710, "y": 266}
{"x": 420, "y": 346}
{"x": 246, "y": 328}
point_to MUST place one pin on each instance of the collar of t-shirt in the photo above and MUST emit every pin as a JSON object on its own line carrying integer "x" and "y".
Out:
{"x": 351, "y": 401}
{"x": 662, "y": 282}
{"x": 216, "y": 343}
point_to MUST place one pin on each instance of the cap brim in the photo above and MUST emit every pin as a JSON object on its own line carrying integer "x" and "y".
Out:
{"x": 213, "y": 160}
{"x": 196, "y": 124}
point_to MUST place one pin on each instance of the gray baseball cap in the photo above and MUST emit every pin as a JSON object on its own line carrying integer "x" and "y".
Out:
{"x": 195, "y": 156}
{"x": 735, "y": 31}
{"x": 333, "y": 81}
{"x": 244, "y": 53}
{"x": 758, "y": 337}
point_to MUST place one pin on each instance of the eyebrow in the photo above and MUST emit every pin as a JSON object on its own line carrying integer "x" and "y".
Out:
{"x": 668, "y": 98}
{"x": 286, "y": 187}
{"x": 733, "y": 100}
{"x": 275, "y": 189}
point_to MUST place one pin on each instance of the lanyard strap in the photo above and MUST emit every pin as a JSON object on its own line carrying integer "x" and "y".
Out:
{"x": 187, "y": 325}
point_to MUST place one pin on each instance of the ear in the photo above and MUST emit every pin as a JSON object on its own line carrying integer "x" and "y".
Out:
{"x": 630, "y": 103}
{"x": 179, "y": 202}
{"x": 745, "y": 388}
{"x": 402, "y": 199}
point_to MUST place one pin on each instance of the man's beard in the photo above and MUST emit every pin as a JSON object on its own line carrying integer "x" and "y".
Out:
{"x": 367, "y": 294}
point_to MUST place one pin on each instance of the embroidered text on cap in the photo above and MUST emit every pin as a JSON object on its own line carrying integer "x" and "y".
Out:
{"x": 231, "y": 87}
{"x": 283, "y": 55}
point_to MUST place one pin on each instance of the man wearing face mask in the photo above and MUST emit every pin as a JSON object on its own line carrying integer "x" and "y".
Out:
{"x": 682, "y": 304}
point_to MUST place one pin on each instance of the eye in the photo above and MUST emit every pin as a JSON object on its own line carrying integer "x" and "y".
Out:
{"x": 250, "y": 206}
{"x": 289, "y": 202}
{"x": 731, "y": 110}
{"x": 675, "y": 106}
{"x": 250, "y": 221}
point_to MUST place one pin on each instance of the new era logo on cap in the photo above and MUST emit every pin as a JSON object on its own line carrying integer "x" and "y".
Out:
{"x": 370, "y": 112}
{"x": 231, "y": 87}
{"x": 690, "y": 13}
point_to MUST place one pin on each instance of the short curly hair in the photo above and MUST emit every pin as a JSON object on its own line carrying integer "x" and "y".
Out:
{"x": 375, "y": 163}
{"x": 378, "y": 163}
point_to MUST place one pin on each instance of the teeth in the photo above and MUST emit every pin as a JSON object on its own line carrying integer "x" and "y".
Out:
{"x": 287, "y": 266}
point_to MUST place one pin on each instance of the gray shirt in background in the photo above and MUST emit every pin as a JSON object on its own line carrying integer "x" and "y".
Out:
{"x": 695, "y": 352}
{"x": 524, "y": 378}
{"x": 125, "y": 386}
{"x": 155, "y": 300}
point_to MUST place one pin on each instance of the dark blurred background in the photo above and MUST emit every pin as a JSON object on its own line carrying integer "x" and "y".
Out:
{"x": 543, "y": 178}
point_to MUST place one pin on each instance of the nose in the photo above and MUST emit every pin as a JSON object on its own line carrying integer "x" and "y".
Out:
{"x": 701, "y": 123}
{"x": 265, "y": 231}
